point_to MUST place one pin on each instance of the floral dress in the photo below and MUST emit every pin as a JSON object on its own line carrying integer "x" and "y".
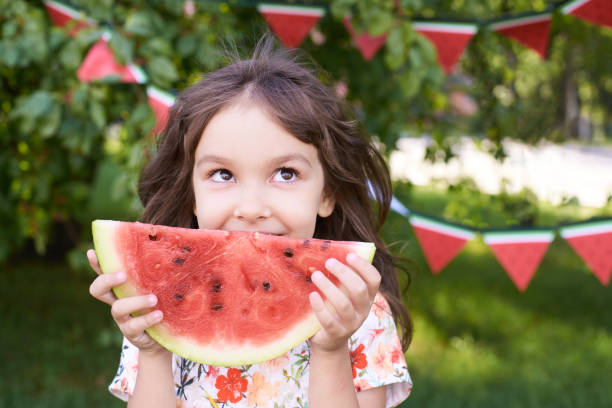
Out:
{"x": 376, "y": 358}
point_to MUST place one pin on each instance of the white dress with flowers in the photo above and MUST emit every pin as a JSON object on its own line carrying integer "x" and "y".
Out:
{"x": 376, "y": 358}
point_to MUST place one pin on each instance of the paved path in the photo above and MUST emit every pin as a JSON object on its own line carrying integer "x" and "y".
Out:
{"x": 552, "y": 171}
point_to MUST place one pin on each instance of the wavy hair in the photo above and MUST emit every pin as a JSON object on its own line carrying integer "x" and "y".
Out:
{"x": 287, "y": 85}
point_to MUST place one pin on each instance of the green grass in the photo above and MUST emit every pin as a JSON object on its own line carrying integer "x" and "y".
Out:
{"x": 58, "y": 346}
{"x": 478, "y": 341}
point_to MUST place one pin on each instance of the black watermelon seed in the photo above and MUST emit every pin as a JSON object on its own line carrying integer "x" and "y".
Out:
{"x": 216, "y": 307}
{"x": 179, "y": 261}
{"x": 178, "y": 296}
{"x": 325, "y": 244}
{"x": 288, "y": 252}
{"x": 308, "y": 280}
{"x": 187, "y": 249}
{"x": 266, "y": 286}
{"x": 153, "y": 237}
{"x": 306, "y": 243}
{"x": 216, "y": 287}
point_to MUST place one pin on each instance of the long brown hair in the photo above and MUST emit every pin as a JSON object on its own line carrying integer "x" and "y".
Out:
{"x": 287, "y": 86}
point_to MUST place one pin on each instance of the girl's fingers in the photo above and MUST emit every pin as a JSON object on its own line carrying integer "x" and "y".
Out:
{"x": 327, "y": 320}
{"x": 367, "y": 271}
{"x": 135, "y": 326}
{"x": 122, "y": 309}
{"x": 101, "y": 287}
{"x": 93, "y": 261}
{"x": 356, "y": 289}
{"x": 335, "y": 297}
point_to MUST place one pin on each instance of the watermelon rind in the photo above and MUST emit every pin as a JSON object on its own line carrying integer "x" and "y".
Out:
{"x": 216, "y": 354}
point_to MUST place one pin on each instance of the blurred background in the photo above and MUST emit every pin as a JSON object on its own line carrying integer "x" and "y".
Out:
{"x": 496, "y": 120}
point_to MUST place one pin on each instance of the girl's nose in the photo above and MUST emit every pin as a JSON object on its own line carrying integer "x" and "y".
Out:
{"x": 252, "y": 206}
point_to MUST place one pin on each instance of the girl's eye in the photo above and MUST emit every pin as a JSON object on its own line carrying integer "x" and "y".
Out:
{"x": 221, "y": 175}
{"x": 285, "y": 174}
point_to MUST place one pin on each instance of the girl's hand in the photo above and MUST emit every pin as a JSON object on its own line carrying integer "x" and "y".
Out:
{"x": 133, "y": 328}
{"x": 351, "y": 301}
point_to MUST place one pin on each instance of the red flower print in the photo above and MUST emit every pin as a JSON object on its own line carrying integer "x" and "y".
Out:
{"x": 358, "y": 359}
{"x": 213, "y": 371}
{"x": 231, "y": 387}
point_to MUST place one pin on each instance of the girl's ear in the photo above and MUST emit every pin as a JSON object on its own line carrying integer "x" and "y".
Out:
{"x": 326, "y": 206}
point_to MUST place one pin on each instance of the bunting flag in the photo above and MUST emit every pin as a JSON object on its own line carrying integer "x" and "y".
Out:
{"x": 532, "y": 32}
{"x": 290, "y": 23}
{"x": 100, "y": 63}
{"x": 398, "y": 207}
{"x": 519, "y": 252}
{"x": 64, "y": 16}
{"x": 367, "y": 44}
{"x": 440, "y": 241}
{"x": 449, "y": 39}
{"x": 592, "y": 241}
{"x": 160, "y": 102}
{"x": 595, "y": 11}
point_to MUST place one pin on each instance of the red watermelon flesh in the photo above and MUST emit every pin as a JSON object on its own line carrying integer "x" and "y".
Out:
{"x": 596, "y": 11}
{"x": 291, "y": 29}
{"x": 533, "y": 35}
{"x": 100, "y": 63}
{"x": 596, "y": 251}
{"x": 367, "y": 44}
{"x": 449, "y": 46}
{"x": 228, "y": 298}
{"x": 520, "y": 260}
{"x": 439, "y": 248}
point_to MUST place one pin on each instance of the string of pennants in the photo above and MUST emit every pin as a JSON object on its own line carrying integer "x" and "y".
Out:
{"x": 292, "y": 23}
{"x": 518, "y": 251}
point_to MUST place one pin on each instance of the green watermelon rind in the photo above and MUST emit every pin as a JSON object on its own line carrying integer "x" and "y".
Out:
{"x": 219, "y": 354}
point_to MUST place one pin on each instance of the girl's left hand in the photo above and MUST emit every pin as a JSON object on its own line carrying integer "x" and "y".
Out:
{"x": 351, "y": 301}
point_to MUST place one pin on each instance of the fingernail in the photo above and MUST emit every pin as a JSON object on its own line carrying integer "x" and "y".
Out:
{"x": 152, "y": 299}
{"x": 351, "y": 257}
{"x": 157, "y": 315}
{"x": 316, "y": 275}
{"x": 121, "y": 275}
{"x": 331, "y": 262}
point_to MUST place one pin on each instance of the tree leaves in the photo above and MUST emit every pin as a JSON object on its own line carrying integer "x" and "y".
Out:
{"x": 163, "y": 71}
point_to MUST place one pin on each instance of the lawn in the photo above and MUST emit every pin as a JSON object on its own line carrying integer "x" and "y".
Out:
{"x": 478, "y": 342}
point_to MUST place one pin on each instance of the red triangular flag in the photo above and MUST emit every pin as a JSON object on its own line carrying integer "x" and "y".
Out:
{"x": 450, "y": 39}
{"x": 593, "y": 243}
{"x": 532, "y": 32}
{"x": 519, "y": 252}
{"x": 100, "y": 63}
{"x": 368, "y": 45}
{"x": 160, "y": 103}
{"x": 62, "y": 15}
{"x": 290, "y": 23}
{"x": 595, "y": 11}
{"x": 440, "y": 242}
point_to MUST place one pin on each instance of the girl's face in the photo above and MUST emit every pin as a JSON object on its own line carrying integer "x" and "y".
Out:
{"x": 250, "y": 174}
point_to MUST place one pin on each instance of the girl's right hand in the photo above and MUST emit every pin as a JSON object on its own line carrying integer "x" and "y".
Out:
{"x": 133, "y": 328}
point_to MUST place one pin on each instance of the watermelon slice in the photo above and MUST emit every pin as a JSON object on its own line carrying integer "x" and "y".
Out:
{"x": 228, "y": 298}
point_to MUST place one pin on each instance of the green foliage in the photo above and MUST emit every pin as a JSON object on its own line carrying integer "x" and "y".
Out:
{"x": 56, "y": 132}
{"x": 468, "y": 204}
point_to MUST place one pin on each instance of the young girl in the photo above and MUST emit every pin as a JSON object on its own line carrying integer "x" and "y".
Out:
{"x": 263, "y": 145}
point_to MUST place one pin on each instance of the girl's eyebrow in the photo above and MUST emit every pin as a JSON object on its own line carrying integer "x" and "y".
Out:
{"x": 211, "y": 158}
{"x": 293, "y": 156}
{"x": 276, "y": 161}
